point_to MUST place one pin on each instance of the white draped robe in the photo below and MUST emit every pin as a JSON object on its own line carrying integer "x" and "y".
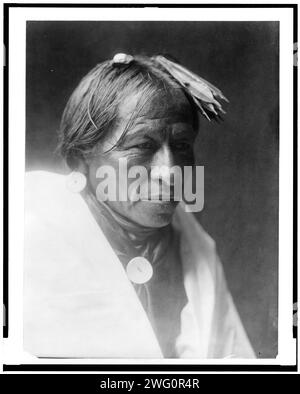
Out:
{"x": 79, "y": 302}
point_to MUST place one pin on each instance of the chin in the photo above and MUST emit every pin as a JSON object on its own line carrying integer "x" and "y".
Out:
{"x": 160, "y": 221}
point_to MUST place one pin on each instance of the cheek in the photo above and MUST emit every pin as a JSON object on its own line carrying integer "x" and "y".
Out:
{"x": 113, "y": 162}
{"x": 94, "y": 167}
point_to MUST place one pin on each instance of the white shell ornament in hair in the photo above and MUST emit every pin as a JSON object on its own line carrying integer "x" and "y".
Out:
{"x": 76, "y": 181}
{"x": 139, "y": 270}
{"x": 122, "y": 58}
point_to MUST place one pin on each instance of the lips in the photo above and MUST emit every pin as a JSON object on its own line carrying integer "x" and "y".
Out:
{"x": 167, "y": 195}
{"x": 159, "y": 205}
{"x": 160, "y": 198}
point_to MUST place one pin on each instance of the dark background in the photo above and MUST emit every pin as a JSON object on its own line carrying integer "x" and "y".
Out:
{"x": 240, "y": 155}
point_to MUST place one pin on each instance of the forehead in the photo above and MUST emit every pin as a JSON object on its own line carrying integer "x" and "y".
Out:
{"x": 163, "y": 105}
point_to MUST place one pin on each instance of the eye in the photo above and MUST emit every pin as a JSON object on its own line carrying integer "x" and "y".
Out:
{"x": 144, "y": 145}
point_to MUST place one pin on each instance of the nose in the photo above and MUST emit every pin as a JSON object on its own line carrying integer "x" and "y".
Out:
{"x": 161, "y": 164}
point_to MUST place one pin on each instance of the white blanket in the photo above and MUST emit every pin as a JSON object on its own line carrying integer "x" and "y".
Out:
{"x": 78, "y": 301}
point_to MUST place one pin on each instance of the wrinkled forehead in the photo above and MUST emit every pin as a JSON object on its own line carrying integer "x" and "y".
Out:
{"x": 163, "y": 104}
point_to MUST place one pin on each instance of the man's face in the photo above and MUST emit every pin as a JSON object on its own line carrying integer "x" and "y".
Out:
{"x": 161, "y": 135}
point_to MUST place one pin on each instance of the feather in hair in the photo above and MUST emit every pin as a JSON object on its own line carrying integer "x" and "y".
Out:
{"x": 203, "y": 93}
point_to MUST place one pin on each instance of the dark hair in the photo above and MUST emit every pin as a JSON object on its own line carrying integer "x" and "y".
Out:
{"x": 92, "y": 108}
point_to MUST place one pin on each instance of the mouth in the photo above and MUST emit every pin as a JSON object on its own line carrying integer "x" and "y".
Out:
{"x": 168, "y": 205}
{"x": 160, "y": 202}
{"x": 161, "y": 197}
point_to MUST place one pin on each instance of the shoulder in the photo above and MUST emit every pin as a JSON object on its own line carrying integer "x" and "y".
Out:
{"x": 47, "y": 197}
{"x": 60, "y": 234}
{"x": 56, "y": 219}
{"x": 42, "y": 187}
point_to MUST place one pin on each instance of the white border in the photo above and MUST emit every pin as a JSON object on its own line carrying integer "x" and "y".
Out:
{"x": 13, "y": 353}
